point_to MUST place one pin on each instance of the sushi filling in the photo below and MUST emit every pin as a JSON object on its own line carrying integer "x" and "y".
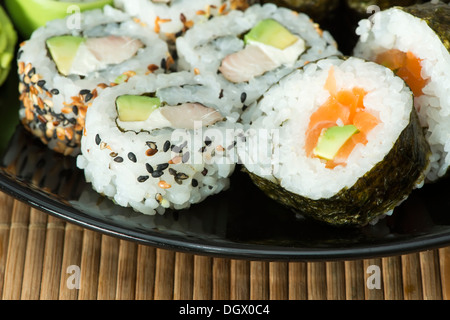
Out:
{"x": 148, "y": 113}
{"x": 81, "y": 56}
{"x": 268, "y": 46}
{"x": 407, "y": 66}
{"x": 339, "y": 125}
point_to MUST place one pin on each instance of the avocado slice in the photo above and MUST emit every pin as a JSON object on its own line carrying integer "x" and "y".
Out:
{"x": 63, "y": 50}
{"x": 332, "y": 139}
{"x": 272, "y": 33}
{"x": 136, "y": 108}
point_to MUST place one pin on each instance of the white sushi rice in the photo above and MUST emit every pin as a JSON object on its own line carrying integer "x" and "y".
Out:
{"x": 395, "y": 29}
{"x": 203, "y": 48}
{"x": 284, "y": 114}
{"x": 95, "y": 23}
{"x": 149, "y": 11}
{"x": 128, "y": 182}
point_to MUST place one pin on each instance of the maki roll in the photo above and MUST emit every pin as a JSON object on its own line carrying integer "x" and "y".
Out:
{"x": 414, "y": 42}
{"x": 157, "y": 143}
{"x": 67, "y": 64}
{"x": 171, "y": 18}
{"x": 245, "y": 52}
{"x": 338, "y": 140}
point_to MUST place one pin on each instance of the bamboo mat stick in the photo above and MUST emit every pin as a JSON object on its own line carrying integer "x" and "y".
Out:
{"x": 279, "y": 280}
{"x": 109, "y": 257}
{"x": 392, "y": 278}
{"x": 165, "y": 261}
{"x": 221, "y": 281}
{"x": 73, "y": 245}
{"x": 373, "y": 279}
{"x": 429, "y": 264}
{"x": 412, "y": 279}
{"x": 6, "y": 203}
{"x": 90, "y": 262}
{"x": 444, "y": 265}
{"x": 240, "y": 280}
{"x": 34, "y": 257}
{"x": 259, "y": 280}
{"x": 297, "y": 281}
{"x": 183, "y": 276}
{"x": 126, "y": 271}
{"x": 202, "y": 278}
{"x": 335, "y": 275}
{"x": 16, "y": 251}
{"x": 316, "y": 280}
{"x": 355, "y": 284}
{"x": 53, "y": 256}
{"x": 145, "y": 274}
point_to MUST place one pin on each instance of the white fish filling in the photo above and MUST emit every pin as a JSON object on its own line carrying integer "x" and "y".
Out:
{"x": 186, "y": 116}
{"x": 258, "y": 58}
{"x": 96, "y": 54}
{"x": 282, "y": 57}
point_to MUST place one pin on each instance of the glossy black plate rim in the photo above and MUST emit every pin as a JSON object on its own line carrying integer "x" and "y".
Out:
{"x": 225, "y": 250}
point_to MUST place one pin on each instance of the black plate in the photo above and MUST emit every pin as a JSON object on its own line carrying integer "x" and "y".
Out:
{"x": 239, "y": 223}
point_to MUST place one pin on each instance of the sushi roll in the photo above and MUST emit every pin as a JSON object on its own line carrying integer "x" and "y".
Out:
{"x": 414, "y": 42}
{"x": 158, "y": 143}
{"x": 67, "y": 64}
{"x": 245, "y": 52}
{"x": 338, "y": 140}
{"x": 171, "y": 18}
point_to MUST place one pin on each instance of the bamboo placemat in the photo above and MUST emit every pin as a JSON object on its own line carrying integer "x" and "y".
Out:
{"x": 44, "y": 258}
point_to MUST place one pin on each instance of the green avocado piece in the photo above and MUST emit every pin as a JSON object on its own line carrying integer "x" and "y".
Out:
{"x": 63, "y": 50}
{"x": 136, "y": 108}
{"x": 272, "y": 33}
{"x": 332, "y": 139}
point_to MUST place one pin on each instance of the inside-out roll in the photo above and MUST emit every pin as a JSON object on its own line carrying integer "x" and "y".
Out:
{"x": 158, "y": 142}
{"x": 66, "y": 65}
{"x": 245, "y": 52}
{"x": 338, "y": 140}
{"x": 414, "y": 42}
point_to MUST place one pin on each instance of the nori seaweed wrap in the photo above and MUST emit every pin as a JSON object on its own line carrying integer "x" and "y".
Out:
{"x": 415, "y": 42}
{"x": 318, "y": 10}
{"x": 338, "y": 140}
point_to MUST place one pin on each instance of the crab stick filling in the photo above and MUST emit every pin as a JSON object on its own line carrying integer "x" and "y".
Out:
{"x": 405, "y": 65}
{"x": 343, "y": 108}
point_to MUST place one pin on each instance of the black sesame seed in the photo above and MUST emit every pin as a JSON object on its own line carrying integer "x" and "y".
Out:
{"x": 186, "y": 157}
{"x": 172, "y": 172}
{"x": 202, "y": 150}
{"x": 232, "y": 145}
{"x": 194, "y": 183}
{"x": 19, "y": 54}
{"x": 164, "y": 63}
{"x": 54, "y": 92}
{"x": 98, "y": 140}
{"x": 31, "y": 72}
{"x": 182, "y": 176}
{"x": 166, "y": 146}
{"x": 142, "y": 179}
{"x": 179, "y": 33}
{"x": 41, "y": 83}
{"x": 157, "y": 174}
{"x": 208, "y": 141}
{"x": 85, "y": 91}
{"x": 243, "y": 97}
{"x": 162, "y": 167}
{"x": 149, "y": 168}
{"x": 221, "y": 94}
{"x": 205, "y": 172}
{"x": 75, "y": 110}
{"x": 88, "y": 97}
{"x": 118, "y": 159}
{"x": 132, "y": 157}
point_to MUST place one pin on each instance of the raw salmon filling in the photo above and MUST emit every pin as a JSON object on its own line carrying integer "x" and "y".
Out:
{"x": 343, "y": 107}
{"x": 407, "y": 66}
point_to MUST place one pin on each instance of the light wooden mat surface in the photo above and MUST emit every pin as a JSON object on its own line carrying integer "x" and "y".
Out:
{"x": 44, "y": 258}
